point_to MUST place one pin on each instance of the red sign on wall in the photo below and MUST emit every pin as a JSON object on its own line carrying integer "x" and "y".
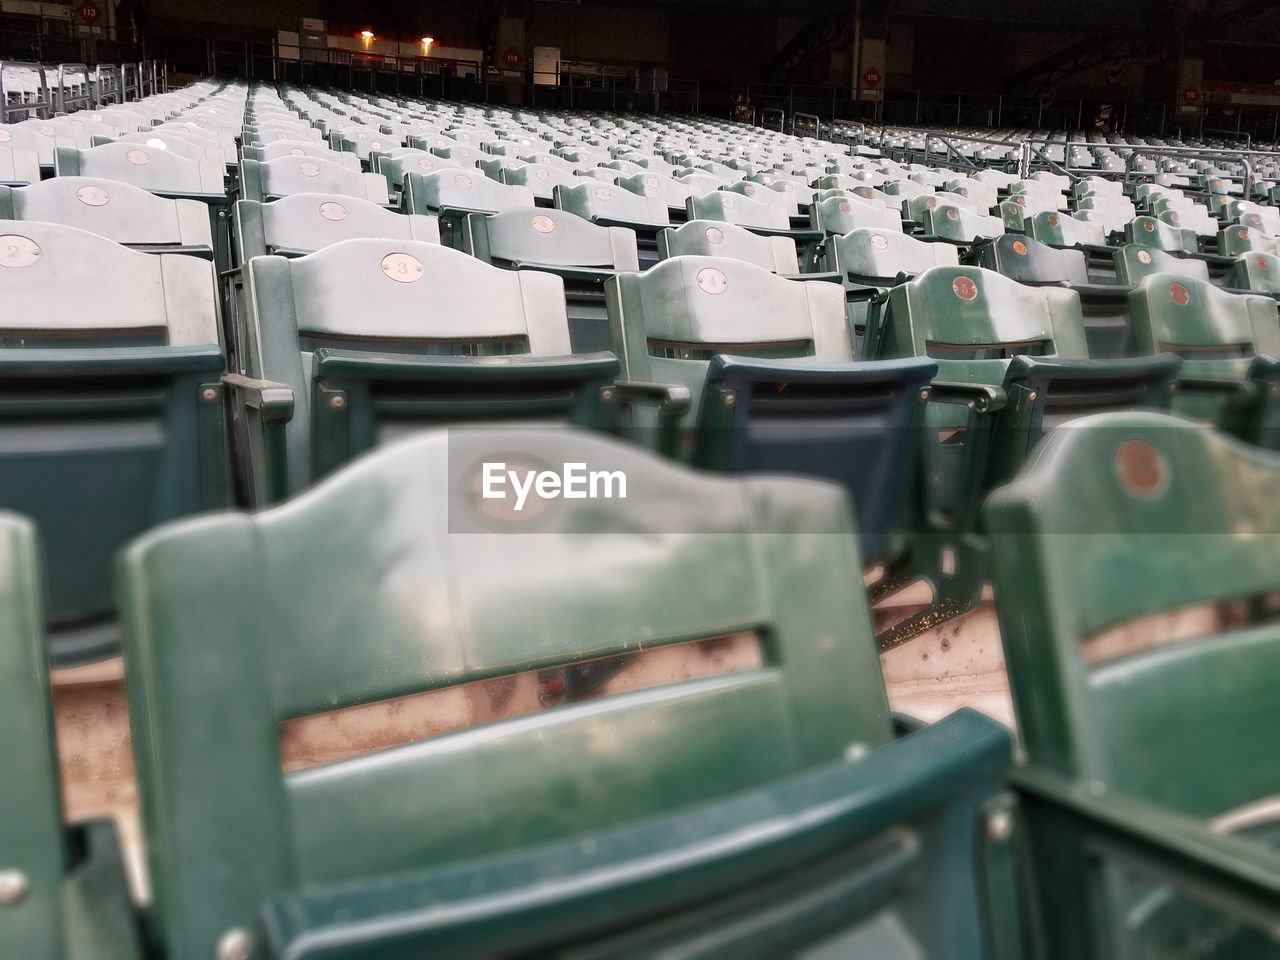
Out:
{"x": 89, "y": 12}
{"x": 1191, "y": 94}
{"x": 512, "y": 57}
{"x": 872, "y": 77}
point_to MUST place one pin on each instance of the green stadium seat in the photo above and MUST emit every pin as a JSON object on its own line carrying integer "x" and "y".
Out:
{"x": 63, "y": 887}
{"x": 395, "y": 167}
{"x": 581, "y": 253}
{"x": 1257, "y": 272}
{"x": 367, "y": 339}
{"x": 773, "y": 808}
{"x": 1013, "y": 363}
{"x": 613, "y": 206}
{"x": 870, "y": 260}
{"x": 750, "y": 371}
{"x": 451, "y": 194}
{"x": 1149, "y": 231}
{"x": 715, "y": 238}
{"x": 835, "y": 216}
{"x": 1141, "y": 770}
{"x": 1063, "y": 230}
{"x": 1237, "y": 239}
{"x": 299, "y": 148}
{"x": 263, "y": 180}
{"x": 142, "y": 166}
{"x": 118, "y": 211}
{"x": 953, "y": 224}
{"x": 303, "y": 223}
{"x": 111, "y": 408}
{"x": 1029, "y": 261}
{"x": 1230, "y": 347}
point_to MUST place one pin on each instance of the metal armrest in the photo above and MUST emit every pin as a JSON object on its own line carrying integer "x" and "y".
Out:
{"x": 672, "y": 400}
{"x": 274, "y": 401}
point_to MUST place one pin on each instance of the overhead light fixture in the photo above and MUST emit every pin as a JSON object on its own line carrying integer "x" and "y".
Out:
{"x": 366, "y": 34}
{"x": 428, "y": 41}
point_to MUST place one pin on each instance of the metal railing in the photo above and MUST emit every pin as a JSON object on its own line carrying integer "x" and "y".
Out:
{"x": 71, "y": 94}
{"x": 17, "y": 100}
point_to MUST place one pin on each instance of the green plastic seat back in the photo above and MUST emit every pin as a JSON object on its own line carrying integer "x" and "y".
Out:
{"x": 31, "y": 836}
{"x": 1117, "y": 517}
{"x": 669, "y": 321}
{"x": 1134, "y": 262}
{"x": 267, "y": 132}
{"x": 395, "y": 168}
{"x": 984, "y": 195}
{"x": 775, "y": 198}
{"x": 411, "y": 607}
{"x": 602, "y": 201}
{"x": 1195, "y": 319}
{"x": 879, "y": 255}
{"x": 729, "y": 207}
{"x": 299, "y": 148}
{"x": 958, "y": 225}
{"x": 1062, "y": 230}
{"x": 1097, "y": 187}
{"x": 672, "y": 192}
{"x": 711, "y": 238}
{"x": 1237, "y": 239}
{"x": 948, "y": 312}
{"x": 285, "y": 176}
{"x": 174, "y": 143}
{"x": 1153, "y": 232}
{"x": 555, "y": 238}
{"x": 112, "y": 209}
{"x": 37, "y": 136}
{"x": 111, "y": 412}
{"x": 305, "y": 222}
{"x": 380, "y": 298}
{"x": 1029, "y": 261}
{"x": 142, "y": 166}
{"x": 1259, "y": 272}
{"x": 541, "y": 178}
{"x": 842, "y": 214}
{"x": 907, "y": 188}
{"x": 464, "y": 190}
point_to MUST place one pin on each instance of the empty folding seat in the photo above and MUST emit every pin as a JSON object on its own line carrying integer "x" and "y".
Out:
{"x": 303, "y": 223}
{"x": 581, "y": 253}
{"x": 613, "y": 206}
{"x": 1030, "y": 261}
{"x": 395, "y": 168}
{"x": 1111, "y": 211}
{"x": 1019, "y": 207}
{"x": 174, "y": 143}
{"x": 957, "y": 225}
{"x": 1148, "y": 775}
{"x": 118, "y": 211}
{"x": 1063, "y": 230}
{"x": 360, "y": 140}
{"x": 1186, "y": 215}
{"x": 159, "y": 171}
{"x": 1001, "y": 180}
{"x": 1238, "y": 239}
{"x": 868, "y": 260}
{"x": 1263, "y": 219}
{"x": 39, "y": 136}
{"x": 840, "y": 215}
{"x": 111, "y": 408}
{"x": 452, "y": 194}
{"x": 367, "y": 339}
{"x": 267, "y": 132}
{"x": 776, "y": 198}
{"x": 750, "y": 371}
{"x": 1134, "y": 262}
{"x": 672, "y": 192}
{"x": 298, "y": 147}
{"x": 65, "y": 891}
{"x": 716, "y": 238}
{"x": 1013, "y": 362}
{"x": 284, "y": 176}
{"x": 679, "y": 807}
{"x": 1258, "y": 272}
{"x": 1230, "y": 349}
{"x": 1096, "y": 187}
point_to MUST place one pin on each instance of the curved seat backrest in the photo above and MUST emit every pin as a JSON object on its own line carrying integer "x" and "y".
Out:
{"x": 306, "y": 222}
{"x": 708, "y": 238}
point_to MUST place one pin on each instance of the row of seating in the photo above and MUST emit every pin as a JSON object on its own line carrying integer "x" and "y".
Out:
{"x": 779, "y": 808}
{"x": 776, "y": 810}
